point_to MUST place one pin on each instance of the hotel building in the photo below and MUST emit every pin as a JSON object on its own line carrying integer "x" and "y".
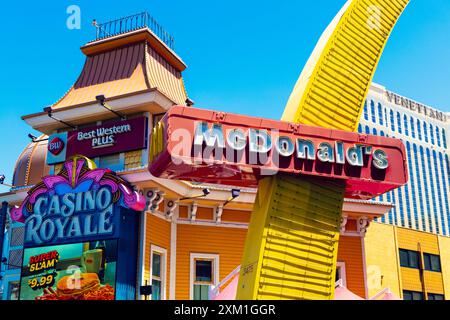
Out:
{"x": 407, "y": 248}
{"x": 423, "y": 203}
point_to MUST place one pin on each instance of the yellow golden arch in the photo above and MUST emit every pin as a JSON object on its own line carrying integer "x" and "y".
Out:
{"x": 291, "y": 245}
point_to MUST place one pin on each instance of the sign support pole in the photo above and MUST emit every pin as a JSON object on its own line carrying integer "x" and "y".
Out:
{"x": 292, "y": 242}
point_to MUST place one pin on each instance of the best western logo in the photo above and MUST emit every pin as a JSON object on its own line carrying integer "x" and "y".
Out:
{"x": 55, "y": 146}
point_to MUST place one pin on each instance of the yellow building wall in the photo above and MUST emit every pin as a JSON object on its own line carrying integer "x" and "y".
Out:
{"x": 157, "y": 233}
{"x": 410, "y": 240}
{"x": 427, "y": 243}
{"x": 411, "y": 279}
{"x": 444, "y": 248}
{"x": 382, "y": 263}
{"x": 227, "y": 242}
{"x": 133, "y": 159}
{"x": 433, "y": 282}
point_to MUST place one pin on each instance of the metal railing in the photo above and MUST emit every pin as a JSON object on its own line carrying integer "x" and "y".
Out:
{"x": 131, "y": 23}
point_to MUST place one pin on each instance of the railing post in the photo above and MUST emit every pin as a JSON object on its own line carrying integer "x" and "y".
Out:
{"x": 134, "y": 22}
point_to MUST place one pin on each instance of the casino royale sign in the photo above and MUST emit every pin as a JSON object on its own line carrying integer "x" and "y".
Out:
{"x": 108, "y": 138}
{"x": 71, "y": 216}
{"x": 79, "y": 204}
{"x": 207, "y": 146}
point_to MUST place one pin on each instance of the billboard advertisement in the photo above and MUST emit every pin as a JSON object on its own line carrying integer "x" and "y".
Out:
{"x": 80, "y": 235}
{"x": 79, "y": 271}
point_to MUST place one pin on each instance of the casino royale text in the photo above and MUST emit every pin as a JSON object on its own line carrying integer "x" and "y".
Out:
{"x": 70, "y": 216}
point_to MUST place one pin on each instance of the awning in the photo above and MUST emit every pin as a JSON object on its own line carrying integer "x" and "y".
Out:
{"x": 342, "y": 293}
{"x": 385, "y": 294}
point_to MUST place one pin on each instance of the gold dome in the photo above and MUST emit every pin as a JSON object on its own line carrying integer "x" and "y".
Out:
{"x": 31, "y": 165}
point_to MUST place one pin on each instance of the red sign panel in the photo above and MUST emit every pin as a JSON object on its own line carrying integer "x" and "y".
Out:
{"x": 213, "y": 147}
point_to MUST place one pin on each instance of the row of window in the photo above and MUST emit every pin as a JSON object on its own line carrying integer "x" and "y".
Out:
{"x": 409, "y": 125}
{"x": 430, "y": 168}
{"x": 415, "y": 295}
{"x": 204, "y": 273}
{"x": 411, "y": 259}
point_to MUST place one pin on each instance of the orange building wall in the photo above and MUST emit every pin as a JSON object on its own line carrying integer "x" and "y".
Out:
{"x": 236, "y": 216}
{"x": 227, "y": 242}
{"x": 350, "y": 252}
{"x": 157, "y": 233}
{"x": 205, "y": 213}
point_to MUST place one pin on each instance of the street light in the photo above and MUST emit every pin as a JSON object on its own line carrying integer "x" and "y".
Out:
{"x": 205, "y": 192}
{"x": 234, "y": 194}
{"x": 102, "y": 100}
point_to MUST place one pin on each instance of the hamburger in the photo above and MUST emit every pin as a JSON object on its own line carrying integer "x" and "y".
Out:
{"x": 75, "y": 286}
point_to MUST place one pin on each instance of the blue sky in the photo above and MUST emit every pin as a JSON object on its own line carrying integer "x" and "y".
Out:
{"x": 242, "y": 56}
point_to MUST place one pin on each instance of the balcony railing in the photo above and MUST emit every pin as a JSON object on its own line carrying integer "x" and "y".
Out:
{"x": 131, "y": 23}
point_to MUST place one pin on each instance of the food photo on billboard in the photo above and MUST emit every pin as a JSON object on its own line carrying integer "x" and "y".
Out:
{"x": 79, "y": 271}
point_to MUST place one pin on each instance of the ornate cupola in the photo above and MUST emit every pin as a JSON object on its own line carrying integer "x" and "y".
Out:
{"x": 132, "y": 63}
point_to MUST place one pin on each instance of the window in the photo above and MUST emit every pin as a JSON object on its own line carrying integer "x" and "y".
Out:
{"x": 366, "y": 112}
{"x": 409, "y": 259}
{"x": 112, "y": 162}
{"x": 426, "y": 184}
{"x": 391, "y": 115}
{"x": 15, "y": 259}
{"x": 412, "y": 295}
{"x": 359, "y": 128}
{"x": 438, "y": 136}
{"x": 340, "y": 273}
{"x": 419, "y": 130}
{"x": 158, "y": 272}
{"x": 400, "y": 208}
{"x": 432, "y": 187}
{"x": 435, "y": 296}
{"x": 432, "y": 262}
{"x": 372, "y": 111}
{"x": 399, "y": 123}
{"x": 431, "y": 134}
{"x": 17, "y": 236}
{"x": 413, "y": 131}
{"x": 446, "y": 198}
{"x": 412, "y": 184}
{"x": 405, "y": 123}
{"x": 380, "y": 114}
{"x": 13, "y": 290}
{"x": 418, "y": 178}
{"x": 439, "y": 213}
{"x": 204, "y": 273}
{"x": 425, "y": 131}
{"x": 386, "y": 117}
{"x": 444, "y": 139}
{"x": 367, "y": 130}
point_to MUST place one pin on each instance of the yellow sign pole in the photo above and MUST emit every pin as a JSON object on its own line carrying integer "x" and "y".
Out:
{"x": 291, "y": 246}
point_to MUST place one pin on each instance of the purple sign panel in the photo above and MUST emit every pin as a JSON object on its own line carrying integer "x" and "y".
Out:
{"x": 108, "y": 138}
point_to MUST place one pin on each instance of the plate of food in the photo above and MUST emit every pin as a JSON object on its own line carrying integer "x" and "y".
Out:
{"x": 85, "y": 286}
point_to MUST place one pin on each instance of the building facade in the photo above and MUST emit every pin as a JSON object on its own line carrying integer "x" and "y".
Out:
{"x": 187, "y": 239}
{"x": 423, "y": 203}
{"x": 407, "y": 249}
